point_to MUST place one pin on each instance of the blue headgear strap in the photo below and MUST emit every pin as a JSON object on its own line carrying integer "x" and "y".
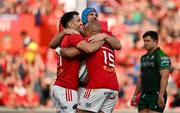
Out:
{"x": 85, "y": 14}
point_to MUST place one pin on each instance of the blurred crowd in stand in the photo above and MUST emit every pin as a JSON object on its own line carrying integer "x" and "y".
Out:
{"x": 26, "y": 77}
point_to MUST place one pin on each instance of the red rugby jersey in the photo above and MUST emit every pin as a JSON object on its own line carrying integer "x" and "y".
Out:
{"x": 68, "y": 68}
{"x": 101, "y": 68}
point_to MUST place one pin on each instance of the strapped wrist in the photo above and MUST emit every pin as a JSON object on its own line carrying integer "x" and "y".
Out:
{"x": 58, "y": 50}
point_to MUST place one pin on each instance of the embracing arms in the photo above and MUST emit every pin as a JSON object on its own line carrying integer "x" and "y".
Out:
{"x": 82, "y": 46}
{"x": 54, "y": 43}
{"x": 110, "y": 40}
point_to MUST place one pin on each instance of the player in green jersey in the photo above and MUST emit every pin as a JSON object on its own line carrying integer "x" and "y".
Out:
{"x": 152, "y": 82}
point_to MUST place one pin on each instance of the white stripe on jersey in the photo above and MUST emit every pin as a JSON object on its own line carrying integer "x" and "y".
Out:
{"x": 60, "y": 60}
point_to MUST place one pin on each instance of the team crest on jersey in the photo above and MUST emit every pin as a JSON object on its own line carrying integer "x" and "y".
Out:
{"x": 152, "y": 57}
{"x": 88, "y": 104}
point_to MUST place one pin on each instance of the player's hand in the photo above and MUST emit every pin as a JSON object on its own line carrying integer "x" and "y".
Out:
{"x": 133, "y": 101}
{"x": 161, "y": 103}
{"x": 70, "y": 31}
{"x": 97, "y": 37}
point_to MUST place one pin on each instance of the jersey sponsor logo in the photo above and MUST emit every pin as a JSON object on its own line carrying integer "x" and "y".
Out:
{"x": 165, "y": 63}
{"x": 164, "y": 58}
{"x": 88, "y": 104}
{"x": 110, "y": 95}
{"x": 147, "y": 64}
{"x": 63, "y": 107}
{"x": 109, "y": 69}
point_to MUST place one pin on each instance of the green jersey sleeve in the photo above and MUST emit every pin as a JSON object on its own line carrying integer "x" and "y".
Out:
{"x": 163, "y": 61}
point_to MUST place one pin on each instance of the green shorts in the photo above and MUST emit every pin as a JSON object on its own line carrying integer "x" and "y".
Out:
{"x": 150, "y": 101}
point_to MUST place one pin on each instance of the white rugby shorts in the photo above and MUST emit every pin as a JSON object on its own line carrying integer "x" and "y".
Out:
{"x": 65, "y": 99}
{"x": 97, "y": 99}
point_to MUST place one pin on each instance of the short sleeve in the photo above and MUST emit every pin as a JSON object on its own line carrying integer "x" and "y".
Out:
{"x": 164, "y": 62}
{"x": 75, "y": 39}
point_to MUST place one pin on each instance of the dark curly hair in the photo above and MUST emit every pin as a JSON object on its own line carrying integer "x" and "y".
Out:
{"x": 67, "y": 17}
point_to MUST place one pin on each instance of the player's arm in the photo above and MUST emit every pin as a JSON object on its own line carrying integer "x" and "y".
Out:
{"x": 138, "y": 86}
{"x": 69, "y": 52}
{"x": 113, "y": 42}
{"x": 110, "y": 40}
{"x": 82, "y": 46}
{"x": 134, "y": 101}
{"x": 163, "y": 85}
{"x": 164, "y": 81}
{"x": 164, "y": 66}
{"x": 89, "y": 47}
{"x": 57, "y": 39}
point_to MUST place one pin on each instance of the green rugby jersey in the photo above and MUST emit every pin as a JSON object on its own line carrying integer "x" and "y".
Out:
{"x": 151, "y": 64}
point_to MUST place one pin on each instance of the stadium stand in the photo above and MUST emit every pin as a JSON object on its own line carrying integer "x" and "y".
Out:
{"x": 28, "y": 66}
